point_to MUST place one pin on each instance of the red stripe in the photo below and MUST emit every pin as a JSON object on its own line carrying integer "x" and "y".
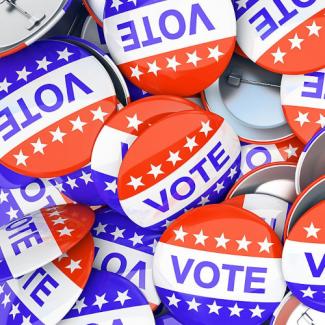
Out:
{"x": 14, "y": 50}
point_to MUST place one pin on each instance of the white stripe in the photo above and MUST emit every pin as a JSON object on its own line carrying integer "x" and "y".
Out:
{"x": 164, "y": 274}
{"x": 33, "y": 256}
{"x": 249, "y": 39}
{"x": 128, "y": 316}
{"x": 133, "y": 257}
{"x": 83, "y": 69}
{"x": 292, "y": 87}
{"x": 145, "y": 215}
{"x": 221, "y": 16}
{"x": 295, "y": 265}
{"x": 57, "y": 303}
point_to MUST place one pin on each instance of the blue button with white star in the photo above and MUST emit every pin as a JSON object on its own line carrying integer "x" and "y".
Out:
{"x": 108, "y": 298}
{"x": 125, "y": 248}
{"x": 10, "y": 179}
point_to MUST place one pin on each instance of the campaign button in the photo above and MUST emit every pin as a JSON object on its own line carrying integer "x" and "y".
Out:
{"x": 16, "y": 203}
{"x": 79, "y": 186}
{"x": 135, "y": 92}
{"x": 303, "y": 260}
{"x": 283, "y": 36}
{"x": 51, "y": 108}
{"x": 207, "y": 269}
{"x": 269, "y": 208}
{"x": 170, "y": 47}
{"x": 256, "y": 155}
{"x": 125, "y": 248}
{"x": 10, "y": 179}
{"x": 45, "y": 295}
{"x": 194, "y": 163}
{"x": 167, "y": 320}
{"x": 96, "y": 10}
{"x": 311, "y": 164}
{"x": 118, "y": 134}
{"x": 275, "y": 179}
{"x": 109, "y": 298}
{"x": 40, "y": 237}
{"x": 302, "y": 98}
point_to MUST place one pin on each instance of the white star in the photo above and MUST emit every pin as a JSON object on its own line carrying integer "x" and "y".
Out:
{"x": 302, "y": 118}
{"x": 278, "y": 56}
{"x": 214, "y": 308}
{"x": 1, "y": 289}
{"x": 314, "y": 29}
{"x": 74, "y": 265}
{"x": 118, "y": 233}
{"x": 215, "y": 53}
{"x": 257, "y": 312}
{"x": 59, "y": 187}
{"x": 155, "y": 170}
{"x": 135, "y": 182}
{"x": 23, "y": 74}
{"x": 6, "y": 300}
{"x": 153, "y": 245}
{"x": 193, "y": 304}
{"x": 4, "y": 85}
{"x": 26, "y": 321}
{"x": 136, "y": 73}
{"x": 321, "y": 120}
{"x": 39, "y": 146}
{"x": 122, "y": 297}
{"x": 172, "y": 63}
{"x": 167, "y": 223}
{"x": 100, "y": 301}
{"x": 12, "y": 213}
{"x": 235, "y": 310}
{"x": 243, "y": 244}
{"x": 134, "y": 122}
{"x": 153, "y": 68}
{"x": 180, "y": 234}
{"x": 136, "y": 239}
{"x": 205, "y": 128}
{"x": 219, "y": 187}
{"x": 21, "y": 158}
{"x": 232, "y": 173}
{"x": 291, "y": 151}
{"x": 64, "y": 55}
{"x": 57, "y": 135}
{"x": 65, "y": 232}
{"x": 308, "y": 292}
{"x": 59, "y": 221}
{"x": 99, "y": 114}
{"x": 14, "y": 310}
{"x": 116, "y": 4}
{"x": 174, "y": 157}
{"x": 43, "y": 64}
{"x": 200, "y": 238}
{"x": 111, "y": 186}
{"x": 241, "y": 4}
{"x": 86, "y": 177}
{"x": 134, "y": 2}
{"x": 54, "y": 213}
{"x": 204, "y": 200}
{"x": 3, "y": 196}
{"x": 312, "y": 231}
{"x": 173, "y": 300}
{"x": 265, "y": 245}
{"x": 193, "y": 58}
{"x": 222, "y": 241}
{"x": 296, "y": 42}
{"x": 77, "y": 124}
{"x": 190, "y": 143}
{"x": 79, "y": 305}
{"x": 72, "y": 183}
{"x": 100, "y": 228}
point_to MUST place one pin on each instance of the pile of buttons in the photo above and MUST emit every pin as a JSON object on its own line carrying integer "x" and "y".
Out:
{"x": 162, "y": 162}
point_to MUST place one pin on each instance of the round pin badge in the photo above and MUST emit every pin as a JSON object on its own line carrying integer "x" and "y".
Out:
{"x": 269, "y": 208}
{"x": 302, "y": 98}
{"x": 48, "y": 293}
{"x": 170, "y": 47}
{"x": 40, "y": 237}
{"x": 18, "y": 202}
{"x": 311, "y": 164}
{"x": 9, "y": 179}
{"x": 207, "y": 271}
{"x": 303, "y": 259}
{"x": 52, "y": 108}
{"x": 167, "y": 320}
{"x": 282, "y": 36}
{"x": 275, "y": 179}
{"x": 191, "y": 165}
{"x": 124, "y": 248}
{"x": 256, "y": 155}
{"x": 244, "y": 84}
{"x": 108, "y": 298}
{"x": 120, "y": 132}
{"x": 96, "y": 10}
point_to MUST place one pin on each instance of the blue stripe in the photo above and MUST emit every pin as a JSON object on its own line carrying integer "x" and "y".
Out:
{"x": 67, "y": 5}
{"x": 9, "y": 204}
{"x": 5, "y": 273}
{"x": 242, "y": 11}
